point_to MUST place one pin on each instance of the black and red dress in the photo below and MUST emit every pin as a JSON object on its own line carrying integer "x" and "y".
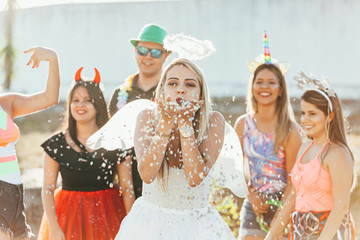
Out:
{"x": 88, "y": 205}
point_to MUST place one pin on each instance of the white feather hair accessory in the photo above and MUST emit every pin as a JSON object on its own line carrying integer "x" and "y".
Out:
{"x": 188, "y": 47}
{"x": 312, "y": 83}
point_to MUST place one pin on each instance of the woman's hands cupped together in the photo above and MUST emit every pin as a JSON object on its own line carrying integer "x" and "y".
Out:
{"x": 185, "y": 112}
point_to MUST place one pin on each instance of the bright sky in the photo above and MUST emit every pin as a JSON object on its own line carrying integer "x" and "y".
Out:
{"x": 37, "y": 3}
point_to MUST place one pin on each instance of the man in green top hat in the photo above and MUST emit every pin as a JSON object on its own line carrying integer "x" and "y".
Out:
{"x": 150, "y": 56}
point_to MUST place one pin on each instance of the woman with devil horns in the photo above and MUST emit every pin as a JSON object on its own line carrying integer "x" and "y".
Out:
{"x": 88, "y": 205}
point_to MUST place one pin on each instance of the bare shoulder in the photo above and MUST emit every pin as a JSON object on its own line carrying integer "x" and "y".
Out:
{"x": 6, "y": 101}
{"x": 146, "y": 115}
{"x": 240, "y": 121}
{"x": 338, "y": 153}
{"x": 216, "y": 116}
{"x": 216, "y": 123}
{"x": 239, "y": 125}
{"x": 216, "y": 119}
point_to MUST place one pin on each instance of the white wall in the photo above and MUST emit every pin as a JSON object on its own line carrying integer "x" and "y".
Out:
{"x": 319, "y": 37}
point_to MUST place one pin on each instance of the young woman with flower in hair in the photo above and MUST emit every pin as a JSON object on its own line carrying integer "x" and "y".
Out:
{"x": 88, "y": 205}
{"x": 323, "y": 175}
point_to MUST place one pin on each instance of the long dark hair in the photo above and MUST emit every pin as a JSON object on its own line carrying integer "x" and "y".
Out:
{"x": 336, "y": 129}
{"x": 97, "y": 99}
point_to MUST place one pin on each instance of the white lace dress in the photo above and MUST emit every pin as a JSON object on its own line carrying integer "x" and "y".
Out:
{"x": 181, "y": 212}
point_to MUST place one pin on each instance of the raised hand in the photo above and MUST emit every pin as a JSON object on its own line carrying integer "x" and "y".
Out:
{"x": 40, "y": 54}
{"x": 185, "y": 112}
{"x": 167, "y": 116}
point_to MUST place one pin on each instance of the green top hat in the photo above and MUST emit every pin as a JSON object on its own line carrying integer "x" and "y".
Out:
{"x": 150, "y": 33}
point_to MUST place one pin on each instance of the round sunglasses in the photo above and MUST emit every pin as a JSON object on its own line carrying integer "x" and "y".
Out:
{"x": 143, "y": 51}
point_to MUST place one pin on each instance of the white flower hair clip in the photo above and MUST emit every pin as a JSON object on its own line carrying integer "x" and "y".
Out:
{"x": 188, "y": 47}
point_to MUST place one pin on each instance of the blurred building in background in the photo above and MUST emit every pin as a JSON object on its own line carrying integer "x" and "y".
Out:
{"x": 318, "y": 37}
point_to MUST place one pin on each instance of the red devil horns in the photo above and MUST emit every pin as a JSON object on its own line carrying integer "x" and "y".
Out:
{"x": 97, "y": 78}
{"x": 78, "y": 74}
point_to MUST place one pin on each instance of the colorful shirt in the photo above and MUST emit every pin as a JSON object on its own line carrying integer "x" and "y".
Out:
{"x": 267, "y": 168}
{"x": 9, "y": 135}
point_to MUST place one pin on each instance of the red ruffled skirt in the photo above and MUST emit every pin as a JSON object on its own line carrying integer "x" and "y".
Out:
{"x": 93, "y": 215}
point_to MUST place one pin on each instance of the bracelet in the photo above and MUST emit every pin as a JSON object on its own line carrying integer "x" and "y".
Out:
{"x": 162, "y": 134}
{"x": 186, "y": 132}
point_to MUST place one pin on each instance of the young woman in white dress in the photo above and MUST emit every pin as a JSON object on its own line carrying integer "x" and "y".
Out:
{"x": 181, "y": 145}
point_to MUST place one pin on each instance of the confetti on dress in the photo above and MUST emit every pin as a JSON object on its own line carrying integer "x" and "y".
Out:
{"x": 165, "y": 214}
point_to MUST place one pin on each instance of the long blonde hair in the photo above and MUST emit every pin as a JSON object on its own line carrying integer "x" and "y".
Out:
{"x": 284, "y": 112}
{"x": 201, "y": 120}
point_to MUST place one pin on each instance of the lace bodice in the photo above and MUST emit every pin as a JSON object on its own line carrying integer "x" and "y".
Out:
{"x": 118, "y": 132}
{"x": 178, "y": 194}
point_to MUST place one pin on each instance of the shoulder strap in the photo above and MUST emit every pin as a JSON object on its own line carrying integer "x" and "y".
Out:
{"x": 321, "y": 151}
{"x": 247, "y": 121}
{"x": 307, "y": 149}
